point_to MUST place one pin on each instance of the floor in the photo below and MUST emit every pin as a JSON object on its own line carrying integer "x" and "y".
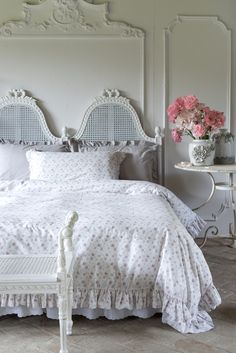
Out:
{"x": 132, "y": 335}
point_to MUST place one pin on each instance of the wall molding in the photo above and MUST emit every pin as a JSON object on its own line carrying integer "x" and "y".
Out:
{"x": 166, "y": 35}
{"x": 167, "y": 32}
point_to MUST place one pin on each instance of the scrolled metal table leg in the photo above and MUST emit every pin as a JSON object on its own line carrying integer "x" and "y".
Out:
{"x": 214, "y": 231}
{"x": 203, "y": 204}
{"x": 210, "y": 195}
{"x": 232, "y": 227}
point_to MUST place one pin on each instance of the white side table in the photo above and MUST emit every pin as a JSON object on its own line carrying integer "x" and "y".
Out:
{"x": 229, "y": 186}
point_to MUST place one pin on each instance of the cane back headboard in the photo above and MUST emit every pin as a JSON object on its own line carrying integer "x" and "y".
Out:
{"x": 112, "y": 118}
{"x": 22, "y": 120}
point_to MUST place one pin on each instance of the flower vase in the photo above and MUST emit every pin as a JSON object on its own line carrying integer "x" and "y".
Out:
{"x": 202, "y": 152}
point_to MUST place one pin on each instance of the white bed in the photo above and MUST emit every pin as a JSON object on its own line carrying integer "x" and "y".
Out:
{"x": 134, "y": 252}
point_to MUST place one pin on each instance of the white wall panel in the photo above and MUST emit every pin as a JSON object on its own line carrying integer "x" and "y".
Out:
{"x": 65, "y": 74}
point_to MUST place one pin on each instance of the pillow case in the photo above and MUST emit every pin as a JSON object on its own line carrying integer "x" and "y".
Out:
{"x": 140, "y": 162}
{"x": 13, "y": 162}
{"x": 57, "y": 167}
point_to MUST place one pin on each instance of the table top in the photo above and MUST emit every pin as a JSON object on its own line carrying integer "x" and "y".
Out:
{"x": 216, "y": 168}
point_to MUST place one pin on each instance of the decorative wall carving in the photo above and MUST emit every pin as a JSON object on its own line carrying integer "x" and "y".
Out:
{"x": 68, "y": 16}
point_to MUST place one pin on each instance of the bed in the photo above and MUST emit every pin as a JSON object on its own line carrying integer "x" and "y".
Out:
{"x": 135, "y": 252}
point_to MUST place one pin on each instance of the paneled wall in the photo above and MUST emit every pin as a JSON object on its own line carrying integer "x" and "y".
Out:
{"x": 196, "y": 64}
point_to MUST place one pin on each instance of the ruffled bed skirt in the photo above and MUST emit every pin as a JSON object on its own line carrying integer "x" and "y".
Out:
{"x": 115, "y": 304}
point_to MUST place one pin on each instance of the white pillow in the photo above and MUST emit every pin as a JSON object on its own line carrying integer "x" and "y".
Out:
{"x": 140, "y": 162}
{"x": 56, "y": 167}
{"x": 13, "y": 162}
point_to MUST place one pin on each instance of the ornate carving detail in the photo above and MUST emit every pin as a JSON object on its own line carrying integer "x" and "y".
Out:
{"x": 200, "y": 153}
{"x": 10, "y": 27}
{"x": 69, "y": 12}
{"x": 69, "y": 16}
{"x": 112, "y": 95}
{"x": 127, "y": 29}
{"x": 18, "y": 96}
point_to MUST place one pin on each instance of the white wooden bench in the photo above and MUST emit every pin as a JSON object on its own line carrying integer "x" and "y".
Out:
{"x": 34, "y": 274}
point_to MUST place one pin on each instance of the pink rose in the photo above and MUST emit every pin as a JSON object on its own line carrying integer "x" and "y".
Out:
{"x": 214, "y": 119}
{"x": 210, "y": 118}
{"x": 220, "y": 119}
{"x": 174, "y": 109}
{"x": 192, "y": 117}
{"x": 176, "y": 135}
{"x": 172, "y": 112}
{"x": 179, "y": 103}
{"x": 190, "y": 102}
{"x": 198, "y": 130}
{"x": 185, "y": 119}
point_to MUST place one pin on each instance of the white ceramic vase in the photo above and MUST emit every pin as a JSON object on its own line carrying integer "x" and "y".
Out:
{"x": 202, "y": 152}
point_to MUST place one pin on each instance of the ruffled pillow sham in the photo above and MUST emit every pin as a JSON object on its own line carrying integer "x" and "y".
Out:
{"x": 58, "y": 167}
{"x": 140, "y": 163}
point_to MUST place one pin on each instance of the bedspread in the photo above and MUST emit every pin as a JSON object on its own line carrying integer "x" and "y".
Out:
{"x": 132, "y": 242}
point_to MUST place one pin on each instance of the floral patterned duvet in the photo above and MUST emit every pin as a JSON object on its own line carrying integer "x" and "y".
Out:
{"x": 133, "y": 244}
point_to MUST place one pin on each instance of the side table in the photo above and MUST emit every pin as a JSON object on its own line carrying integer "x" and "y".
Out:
{"x": 228, "y": 186}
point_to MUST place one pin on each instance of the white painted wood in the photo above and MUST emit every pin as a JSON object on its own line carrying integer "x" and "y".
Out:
{"x": 111, "y": 117}
{"x": 116, "y": 121}
{"x": 28, "y": 120}
{"x": 24, "y": 274}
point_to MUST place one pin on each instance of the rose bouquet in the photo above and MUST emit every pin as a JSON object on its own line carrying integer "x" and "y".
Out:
{"x": 193, "y": 118}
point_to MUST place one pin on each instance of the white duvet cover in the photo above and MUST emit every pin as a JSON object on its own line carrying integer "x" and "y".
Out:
{"x": 132, "y": 244}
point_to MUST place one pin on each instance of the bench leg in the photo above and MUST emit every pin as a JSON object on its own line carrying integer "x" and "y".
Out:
{"x": 62, "y": 323}
{"x": 69, "y": 323}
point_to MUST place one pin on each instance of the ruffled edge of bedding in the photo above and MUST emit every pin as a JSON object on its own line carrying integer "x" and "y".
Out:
{"x": 195, "y": 226}
{"x": 175, "y": 312}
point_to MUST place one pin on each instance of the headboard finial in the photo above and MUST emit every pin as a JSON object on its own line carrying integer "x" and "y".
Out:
{"x": 16, "y": 93}
{"x": 111, "y": 93}
{"x": 159, "y": 134}
{"x": 113, "y": 96}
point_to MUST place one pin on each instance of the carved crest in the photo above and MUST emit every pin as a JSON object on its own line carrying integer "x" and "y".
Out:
{"x": 68, "y": 16}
